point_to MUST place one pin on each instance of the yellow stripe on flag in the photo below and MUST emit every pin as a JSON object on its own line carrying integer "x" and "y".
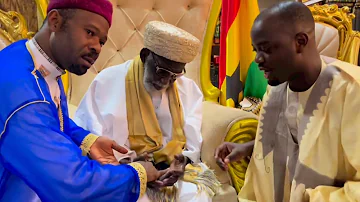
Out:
{"x": 232, "y": 58}
{"x": 249, "y": 10}
{"x": 233, "y": 46}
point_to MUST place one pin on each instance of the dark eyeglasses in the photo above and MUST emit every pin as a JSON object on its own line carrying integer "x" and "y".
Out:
{"x": 162, "y": 72}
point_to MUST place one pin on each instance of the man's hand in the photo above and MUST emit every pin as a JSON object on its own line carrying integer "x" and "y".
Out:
{"x": 151, "y": 172}
{"x": 173, "y": 173}
{"x": 144, "y": 157}
{"x": 102, "y": 151}
{"x": 230, "y": 152}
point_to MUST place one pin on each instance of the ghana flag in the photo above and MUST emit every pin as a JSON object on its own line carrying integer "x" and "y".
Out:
{"x": 236, "y": 52}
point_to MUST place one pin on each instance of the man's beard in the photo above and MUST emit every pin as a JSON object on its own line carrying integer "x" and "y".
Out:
{"x": 274, "y": 82}
{"x": 148, "y": 86}
{"x": 77, "y": 69}
{"x": 149, "y": 83}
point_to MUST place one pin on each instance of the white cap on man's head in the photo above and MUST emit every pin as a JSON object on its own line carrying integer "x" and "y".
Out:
{"x": 171, "y": 42}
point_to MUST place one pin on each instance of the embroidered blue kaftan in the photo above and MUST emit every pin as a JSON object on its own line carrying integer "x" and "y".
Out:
{"x": 39, "y": 162}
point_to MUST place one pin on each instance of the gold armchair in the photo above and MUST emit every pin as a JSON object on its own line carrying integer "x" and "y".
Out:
{"x": 334, "y": 34}
{"x": 12, "y": 28}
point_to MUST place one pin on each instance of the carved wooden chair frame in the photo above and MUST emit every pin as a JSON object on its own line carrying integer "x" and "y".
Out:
{"x": 341, "y": 19}
{"x": 13, "y": 26}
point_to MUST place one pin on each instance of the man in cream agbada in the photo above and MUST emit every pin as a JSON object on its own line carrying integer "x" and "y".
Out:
{"x": 308, "y": 140}
{"x": 148, "y": 105}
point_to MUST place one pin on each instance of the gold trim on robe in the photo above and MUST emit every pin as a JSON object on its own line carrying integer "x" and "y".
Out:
{"x": 87, "y": 142}
{"x": 142, "y": 176}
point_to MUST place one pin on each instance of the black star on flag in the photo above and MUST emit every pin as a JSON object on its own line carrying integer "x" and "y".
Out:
{"x": 234, "y": 86}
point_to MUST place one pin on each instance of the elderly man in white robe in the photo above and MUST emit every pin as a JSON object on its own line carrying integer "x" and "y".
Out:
{"x": 148, "y": 105}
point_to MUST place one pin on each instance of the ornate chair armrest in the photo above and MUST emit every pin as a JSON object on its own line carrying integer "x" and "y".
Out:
{"x": 226, "y": 124}
{"x": 241, "y": 131}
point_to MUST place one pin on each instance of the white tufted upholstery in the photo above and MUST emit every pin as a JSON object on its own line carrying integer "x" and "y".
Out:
{"x": 126, "y": 35}
{"x": 327, "y": 39}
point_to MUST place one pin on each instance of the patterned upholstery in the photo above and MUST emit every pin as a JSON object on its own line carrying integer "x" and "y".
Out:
{"x": 126, "y": 35}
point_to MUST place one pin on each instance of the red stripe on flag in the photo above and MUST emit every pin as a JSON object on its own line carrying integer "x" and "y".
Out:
{"x": 229, "y": 11}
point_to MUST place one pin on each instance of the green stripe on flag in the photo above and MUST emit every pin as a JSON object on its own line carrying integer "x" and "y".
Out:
{"x": 256, "y": 83}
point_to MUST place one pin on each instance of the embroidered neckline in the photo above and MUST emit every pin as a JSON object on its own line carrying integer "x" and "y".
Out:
{"x": 47, "y": 57}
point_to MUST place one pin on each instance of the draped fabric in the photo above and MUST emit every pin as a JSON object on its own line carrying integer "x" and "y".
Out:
{"x": 236, "y": 53}
{"x": 145, "y": 133}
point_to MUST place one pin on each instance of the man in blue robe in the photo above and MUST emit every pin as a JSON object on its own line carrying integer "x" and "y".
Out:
{"x": 41, "y": 148}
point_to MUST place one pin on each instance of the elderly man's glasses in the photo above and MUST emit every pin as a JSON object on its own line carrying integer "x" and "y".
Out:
{"x": 164, "y": 73}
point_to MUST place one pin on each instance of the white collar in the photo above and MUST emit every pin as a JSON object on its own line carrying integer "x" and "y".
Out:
{"x": 46, "y": 66}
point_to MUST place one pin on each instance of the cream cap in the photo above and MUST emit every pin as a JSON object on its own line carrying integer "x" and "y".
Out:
{"x": 171, "y": 42}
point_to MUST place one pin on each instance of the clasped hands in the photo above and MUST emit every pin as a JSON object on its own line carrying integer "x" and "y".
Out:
{"x": 102, "y": 151}
{"x": 163, "y": 178}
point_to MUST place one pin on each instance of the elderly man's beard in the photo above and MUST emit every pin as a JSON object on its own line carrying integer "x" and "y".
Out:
{"x": 149, "y": 82}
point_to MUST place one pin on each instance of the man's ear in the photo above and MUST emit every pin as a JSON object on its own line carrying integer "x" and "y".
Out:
{"x": 144, "y": 53}
{"x": 301, "y": 40}
{"x": 54, "y": 20}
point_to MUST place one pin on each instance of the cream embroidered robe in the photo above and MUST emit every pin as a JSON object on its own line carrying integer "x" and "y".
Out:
{"x": 308, "y": 144}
